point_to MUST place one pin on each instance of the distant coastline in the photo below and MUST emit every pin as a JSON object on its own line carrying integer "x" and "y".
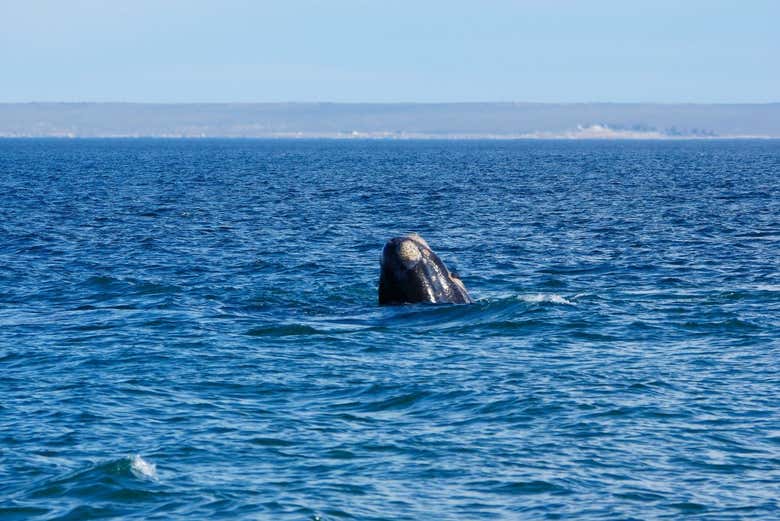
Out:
{"x": 391, "y": 120}
{"x": 401, "y": 137}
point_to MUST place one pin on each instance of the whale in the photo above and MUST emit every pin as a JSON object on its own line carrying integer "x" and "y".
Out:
{"x": 410, "y": 272}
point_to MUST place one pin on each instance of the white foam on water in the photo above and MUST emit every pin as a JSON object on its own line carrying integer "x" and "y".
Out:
{"x": 143, "y": 469}
{"x": 542, "y": 297}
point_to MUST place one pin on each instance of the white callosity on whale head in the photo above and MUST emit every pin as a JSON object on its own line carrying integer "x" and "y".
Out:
{"x": 409, "y": 253}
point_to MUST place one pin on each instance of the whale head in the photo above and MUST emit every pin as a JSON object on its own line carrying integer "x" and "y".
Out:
{"x": 411, "y": 272}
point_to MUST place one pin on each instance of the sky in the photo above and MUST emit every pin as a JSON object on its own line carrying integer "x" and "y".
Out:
{"x": 559, "y": 51}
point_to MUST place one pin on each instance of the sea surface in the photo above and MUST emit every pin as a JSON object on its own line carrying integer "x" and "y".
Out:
{"x": 189, "y": 329}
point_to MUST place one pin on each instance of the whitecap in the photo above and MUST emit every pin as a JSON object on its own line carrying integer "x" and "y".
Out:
{"x": 550, "y": 297}
{"x": 142, "y": 468}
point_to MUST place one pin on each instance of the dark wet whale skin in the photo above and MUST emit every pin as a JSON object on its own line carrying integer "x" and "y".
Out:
{"x": 412, "y": 273}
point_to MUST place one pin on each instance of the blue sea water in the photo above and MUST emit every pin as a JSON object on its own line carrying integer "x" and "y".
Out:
{"x": 189, "y": 330}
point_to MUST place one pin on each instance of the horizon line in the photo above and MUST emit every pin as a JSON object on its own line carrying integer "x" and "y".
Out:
{"x": 658, "y": 103}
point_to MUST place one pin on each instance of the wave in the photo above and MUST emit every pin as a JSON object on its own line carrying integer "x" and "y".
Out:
{"x": 129, "y": 479}
{"x": 507, "y": 312}
{"x": 502, "y": 311}
{"x": 142, "y": 468}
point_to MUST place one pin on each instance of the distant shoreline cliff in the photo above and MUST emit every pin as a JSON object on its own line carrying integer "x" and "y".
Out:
{"x": 392, "y": 120}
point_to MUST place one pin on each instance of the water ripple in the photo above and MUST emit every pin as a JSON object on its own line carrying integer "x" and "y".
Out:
{"x": 209, "y": 309}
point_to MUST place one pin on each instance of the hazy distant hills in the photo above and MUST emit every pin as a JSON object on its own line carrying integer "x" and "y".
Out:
{"x": 396, "y": 120}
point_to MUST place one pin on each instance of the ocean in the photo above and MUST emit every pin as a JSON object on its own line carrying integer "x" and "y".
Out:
{"x": 189, "y": 329}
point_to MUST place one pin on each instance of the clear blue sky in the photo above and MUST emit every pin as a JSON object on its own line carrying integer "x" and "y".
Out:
{"x": 480, "y": 50}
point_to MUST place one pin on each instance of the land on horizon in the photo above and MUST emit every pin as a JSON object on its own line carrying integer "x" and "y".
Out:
{"x": 392, "y": 120}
